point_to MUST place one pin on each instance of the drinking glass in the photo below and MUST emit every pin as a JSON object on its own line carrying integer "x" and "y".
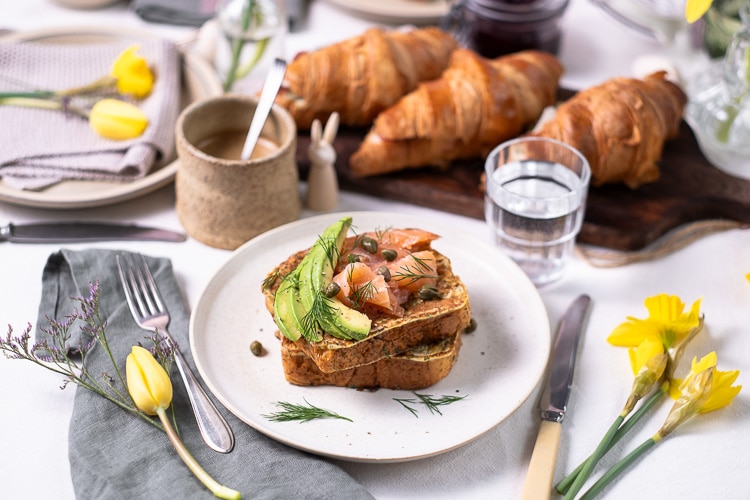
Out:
{"x": 535, "y": 199}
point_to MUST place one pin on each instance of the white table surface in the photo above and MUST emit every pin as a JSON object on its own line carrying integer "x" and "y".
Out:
{"x": 707, "y": 458}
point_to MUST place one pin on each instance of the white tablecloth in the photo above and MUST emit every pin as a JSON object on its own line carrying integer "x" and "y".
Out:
{"x": 705, "y": 459}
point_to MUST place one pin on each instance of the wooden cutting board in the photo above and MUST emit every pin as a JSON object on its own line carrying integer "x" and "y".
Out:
{"x": 690, "y": 189}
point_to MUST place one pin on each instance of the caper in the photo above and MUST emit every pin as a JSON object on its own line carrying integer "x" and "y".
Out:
{"x": 370, "y": 245}
{"x": 389, "y": 254}
{"x": 472, "y": 326}
{"x": 353, "y": 257}
{"x": 429, "y": 292}
{"x": 385, "y": 272}
{"x": 256, "y": 348}
{"x": 332, "y": 289}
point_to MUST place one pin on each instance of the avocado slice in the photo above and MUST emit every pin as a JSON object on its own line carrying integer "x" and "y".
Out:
{"x": 289, "y": 311}
{"x": 316, "y": 273}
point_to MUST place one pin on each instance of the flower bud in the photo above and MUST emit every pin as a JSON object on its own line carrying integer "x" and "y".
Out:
{"x": 133, "y": 75}
{"x": 118, "y": 120}
{"x": 148, "y": 383}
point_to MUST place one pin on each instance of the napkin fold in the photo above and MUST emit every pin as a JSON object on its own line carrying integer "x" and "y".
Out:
{"x": 179, "y": 12}
{"x": 115, "y": 454}
{"x": 44, "y": 147}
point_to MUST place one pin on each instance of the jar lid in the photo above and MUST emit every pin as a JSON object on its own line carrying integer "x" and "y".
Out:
{"x": 517, "y": 10}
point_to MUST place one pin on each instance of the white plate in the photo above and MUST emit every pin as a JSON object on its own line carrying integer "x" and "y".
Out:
{"x": 499, "y": 364}
{"x": 396, "y": 11}
{"x": 199, "y": 80}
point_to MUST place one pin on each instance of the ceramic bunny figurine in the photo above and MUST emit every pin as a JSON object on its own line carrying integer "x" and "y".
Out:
{"x": 322, "y": 185}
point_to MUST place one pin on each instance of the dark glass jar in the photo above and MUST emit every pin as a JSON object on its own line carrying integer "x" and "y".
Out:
{"x": 498, "y": 27}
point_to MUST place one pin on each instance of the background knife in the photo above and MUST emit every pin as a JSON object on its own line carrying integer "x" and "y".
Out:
{"x": 56, "y": 232}
{"x": 554, "y": 401}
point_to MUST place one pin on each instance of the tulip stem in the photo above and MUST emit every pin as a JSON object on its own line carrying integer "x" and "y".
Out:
{"x": 217, "y": 489}
{"x": 564, "y": 485}
{"x": 620, "y": 466}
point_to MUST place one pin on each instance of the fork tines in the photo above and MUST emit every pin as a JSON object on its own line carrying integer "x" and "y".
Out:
{"x": 141, "y": 291}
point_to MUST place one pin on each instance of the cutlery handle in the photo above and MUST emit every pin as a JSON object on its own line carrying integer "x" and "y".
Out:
{"x": 214, "y": 429}
{"x": 538, "y": 483}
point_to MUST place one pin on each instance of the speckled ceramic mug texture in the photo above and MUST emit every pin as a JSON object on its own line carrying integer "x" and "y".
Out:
{"x": 224, "y": 203}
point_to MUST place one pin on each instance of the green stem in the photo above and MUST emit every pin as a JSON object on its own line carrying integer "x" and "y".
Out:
{"x": 589, "y": 464}
{"x": 217, "y": 489}
{"x": 237, "y": 47}
{"x": 564, "y": 485}
{"x": 620, "y": 466}
{"x": 32, "y": 95}
{"x": 259, "y": 49}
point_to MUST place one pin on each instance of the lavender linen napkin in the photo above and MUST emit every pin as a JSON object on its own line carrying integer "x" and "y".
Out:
{"x": 44, "y": 147}
{"x": 115, "y": 455}
{"x": 180, "y": 12}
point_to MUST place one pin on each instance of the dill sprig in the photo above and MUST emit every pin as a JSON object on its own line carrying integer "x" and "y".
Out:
{"x": 271, "y": 279}
{"x": 321, "y": 309}
{"x": 301, "y": 413}
{"x": 432, "y": 403}
{"x": 420, "y": 270}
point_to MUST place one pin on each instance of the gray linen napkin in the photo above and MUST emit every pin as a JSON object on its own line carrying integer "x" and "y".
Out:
{"x": 44, "y": 147}
{"x": 180, "y": 12}
{"x": 114, "y": 454}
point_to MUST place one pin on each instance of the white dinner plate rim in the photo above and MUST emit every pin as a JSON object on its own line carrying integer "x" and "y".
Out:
{"x": 244, "y": 258}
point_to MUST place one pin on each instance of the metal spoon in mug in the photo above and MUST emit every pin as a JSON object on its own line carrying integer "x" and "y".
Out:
{"x": 267, "y": 97}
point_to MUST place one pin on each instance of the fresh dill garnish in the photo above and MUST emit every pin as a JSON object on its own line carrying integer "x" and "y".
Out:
{"x": 432, "y": 403}
{"x": 421, "y": 270}
{"x": 362, "y": 294}
{"x": 301, "y": 413}
{"x": 380, "y": 233}
{"x": 271, "y": 279}
{"x": 321, "y": 309}
{"x": 330, "y": 249}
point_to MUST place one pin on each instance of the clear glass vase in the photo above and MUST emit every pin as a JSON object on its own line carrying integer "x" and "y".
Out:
{"x": 719, "y": 106}
{"x": 251, "y": 34}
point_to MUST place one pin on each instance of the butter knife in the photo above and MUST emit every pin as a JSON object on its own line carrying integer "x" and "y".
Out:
{"x": 71, "y": 232}
{"x": 554, "y": 401}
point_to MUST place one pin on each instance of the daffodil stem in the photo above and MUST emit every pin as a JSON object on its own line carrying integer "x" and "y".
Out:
{"x": 217, "y": 489}
{"x": 589, "y": 464}
{"x": 564, "y": 485}
{"x": 620, "y": 466}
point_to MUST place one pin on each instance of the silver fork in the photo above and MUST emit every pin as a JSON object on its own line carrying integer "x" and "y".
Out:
{"x": 147, "y": 307}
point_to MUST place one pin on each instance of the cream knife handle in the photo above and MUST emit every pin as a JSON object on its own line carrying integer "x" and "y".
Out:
{"x": 538, "y": 483}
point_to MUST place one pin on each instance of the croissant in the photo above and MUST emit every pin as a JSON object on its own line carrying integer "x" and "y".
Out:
{"x": 620, "y": 126}
{"x": 361, "y": 76}
{"x": 476, "y": 104}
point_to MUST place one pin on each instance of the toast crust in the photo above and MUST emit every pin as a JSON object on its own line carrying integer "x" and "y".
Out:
{"x": 415, "y": 369}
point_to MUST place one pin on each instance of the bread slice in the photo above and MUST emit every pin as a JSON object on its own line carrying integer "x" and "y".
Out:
{"x": 425, "y": 322}
{"x": 417, "y": 368}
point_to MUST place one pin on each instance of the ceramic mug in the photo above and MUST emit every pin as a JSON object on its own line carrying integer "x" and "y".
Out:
{"x": 220, "y": 200}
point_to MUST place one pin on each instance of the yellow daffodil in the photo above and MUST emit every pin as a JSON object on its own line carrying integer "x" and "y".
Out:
{"x": 667, "y": 321}
{"x": 719, "y": 394}
{"x": 118, "y": 120}
{"x": 151, "y": 389}
{"x": 148, "y": 383}
{"x": 694, "y": 9}
{"x": 705, "y": 389}
{"x": 134, "y": 77}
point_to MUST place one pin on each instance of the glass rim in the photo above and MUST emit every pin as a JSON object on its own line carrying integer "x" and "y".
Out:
{"x": 490, "y": 167}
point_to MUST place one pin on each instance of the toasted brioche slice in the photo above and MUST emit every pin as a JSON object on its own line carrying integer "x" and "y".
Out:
{"x": 424, "y": 322}
{"x": 417, "y": 368}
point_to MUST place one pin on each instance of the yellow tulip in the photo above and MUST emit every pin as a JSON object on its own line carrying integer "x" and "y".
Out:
{"x": 148, "y": 383}
{"x": 694, "y": 9}
{"x": 118, "y": 120}
{"x": 133, "y": 74}
{"x": 151, "y": 389}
